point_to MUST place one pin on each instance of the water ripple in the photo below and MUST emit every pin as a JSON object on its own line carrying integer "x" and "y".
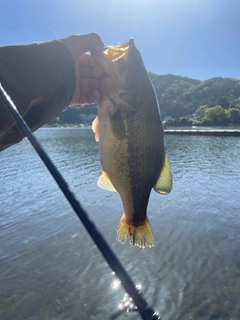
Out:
{"x": 50, "y": 268}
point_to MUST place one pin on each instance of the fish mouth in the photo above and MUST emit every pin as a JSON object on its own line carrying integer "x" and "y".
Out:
{"x": 109, "y": 58}
{"x": 119, "y": 51}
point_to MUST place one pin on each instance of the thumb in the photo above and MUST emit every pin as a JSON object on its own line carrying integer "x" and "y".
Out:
{"x": 78, "y": 44}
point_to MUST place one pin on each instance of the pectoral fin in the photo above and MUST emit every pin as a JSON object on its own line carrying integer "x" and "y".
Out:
{"x": 164, "y": 183}
{"x": 117, "y": 125}
{"x": 105, "y": 183}
{"x": 95, "y": 128}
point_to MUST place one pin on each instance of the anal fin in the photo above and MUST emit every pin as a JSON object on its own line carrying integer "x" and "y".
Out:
{"x": 164, "y": 183}
{"x": 105, "y": 183}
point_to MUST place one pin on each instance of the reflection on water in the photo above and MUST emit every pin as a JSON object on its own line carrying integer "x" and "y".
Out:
{"x": 127, "y": 301}
{"x": 50, "y": 268}
{"x": 116, "y": 284}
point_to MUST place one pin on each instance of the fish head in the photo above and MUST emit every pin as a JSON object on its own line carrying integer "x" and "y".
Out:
{"x": 124, "y": 64}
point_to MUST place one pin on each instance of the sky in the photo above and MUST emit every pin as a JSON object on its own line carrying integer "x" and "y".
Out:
{"x": 199, "y": 39}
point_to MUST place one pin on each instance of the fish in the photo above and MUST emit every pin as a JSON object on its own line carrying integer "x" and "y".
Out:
{"x": 131, "y": 141}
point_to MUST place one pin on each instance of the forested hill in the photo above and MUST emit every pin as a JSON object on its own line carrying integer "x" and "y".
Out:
{"x": 179, "y": 96}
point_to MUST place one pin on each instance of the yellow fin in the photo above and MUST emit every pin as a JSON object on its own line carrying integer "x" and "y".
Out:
{"x": 95, "y": 128}
{"x": 141, "y": 236}
{"x": 105, "y": 183}
{"x": 164, "y": 183}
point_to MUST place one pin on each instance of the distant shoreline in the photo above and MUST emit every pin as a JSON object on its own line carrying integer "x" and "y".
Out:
{"x": 168, "y": 127}
{"x": 202, "y": 132}
{"x": 67, "y": 125}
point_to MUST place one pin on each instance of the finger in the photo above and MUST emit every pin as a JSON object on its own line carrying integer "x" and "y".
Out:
{"x": 89, "y": 85}
{"x": 76, "y": 98}
{"x": 78, "y": 44}
{"x": 90, "y": 41}
{"x": 85, "y": 72}
{"x": 106, "y": 85}
{"x": 96, "y": 96}
{"x": 87, "y": 98}
{"x": 98, "y": 73}
{"x": 84, "y": 99}
{"x": 86, "y": 60}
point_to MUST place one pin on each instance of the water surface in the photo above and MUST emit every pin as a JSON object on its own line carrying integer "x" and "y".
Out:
{"x": 50, "y": 268}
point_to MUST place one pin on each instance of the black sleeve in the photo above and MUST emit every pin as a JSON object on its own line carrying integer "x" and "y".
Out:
{"x": 40, "y": 79}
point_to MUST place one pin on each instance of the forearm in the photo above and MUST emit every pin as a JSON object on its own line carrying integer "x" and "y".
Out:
{"x": 31, "y": 75}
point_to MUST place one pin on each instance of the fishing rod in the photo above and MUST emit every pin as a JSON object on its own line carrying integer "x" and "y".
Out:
{"x": 144, "y": 310}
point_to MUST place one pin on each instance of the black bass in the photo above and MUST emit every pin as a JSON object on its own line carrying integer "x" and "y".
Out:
{"x": 130, "y": 134}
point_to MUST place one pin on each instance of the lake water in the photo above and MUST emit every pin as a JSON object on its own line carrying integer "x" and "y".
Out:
{"x": 50, "y": 268}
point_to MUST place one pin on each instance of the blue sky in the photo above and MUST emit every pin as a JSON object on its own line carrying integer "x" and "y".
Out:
{"x": 195, "y": 38}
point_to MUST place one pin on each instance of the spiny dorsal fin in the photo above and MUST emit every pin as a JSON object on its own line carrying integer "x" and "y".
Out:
{"x": 105, "y": 183}
{"x": 164, "y": 183}
{"x": 95, "y": 128}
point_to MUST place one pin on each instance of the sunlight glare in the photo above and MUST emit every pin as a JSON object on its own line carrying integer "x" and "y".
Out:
{"x": 116, "y": 284}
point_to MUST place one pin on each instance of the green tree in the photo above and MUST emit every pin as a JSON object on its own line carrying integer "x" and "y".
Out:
{"x": 223, "y": 102}
{"x": 70, "y": 115}
{"x": 217, "y": 115}
{"x": 201, "y": 111}
{"x": 234, "y": 115}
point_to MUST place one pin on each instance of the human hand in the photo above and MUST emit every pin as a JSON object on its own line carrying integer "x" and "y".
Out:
{"x": 91, "y": 81}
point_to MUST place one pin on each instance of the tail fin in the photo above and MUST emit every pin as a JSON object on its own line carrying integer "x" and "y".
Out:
{"x": 141, "y": 236}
